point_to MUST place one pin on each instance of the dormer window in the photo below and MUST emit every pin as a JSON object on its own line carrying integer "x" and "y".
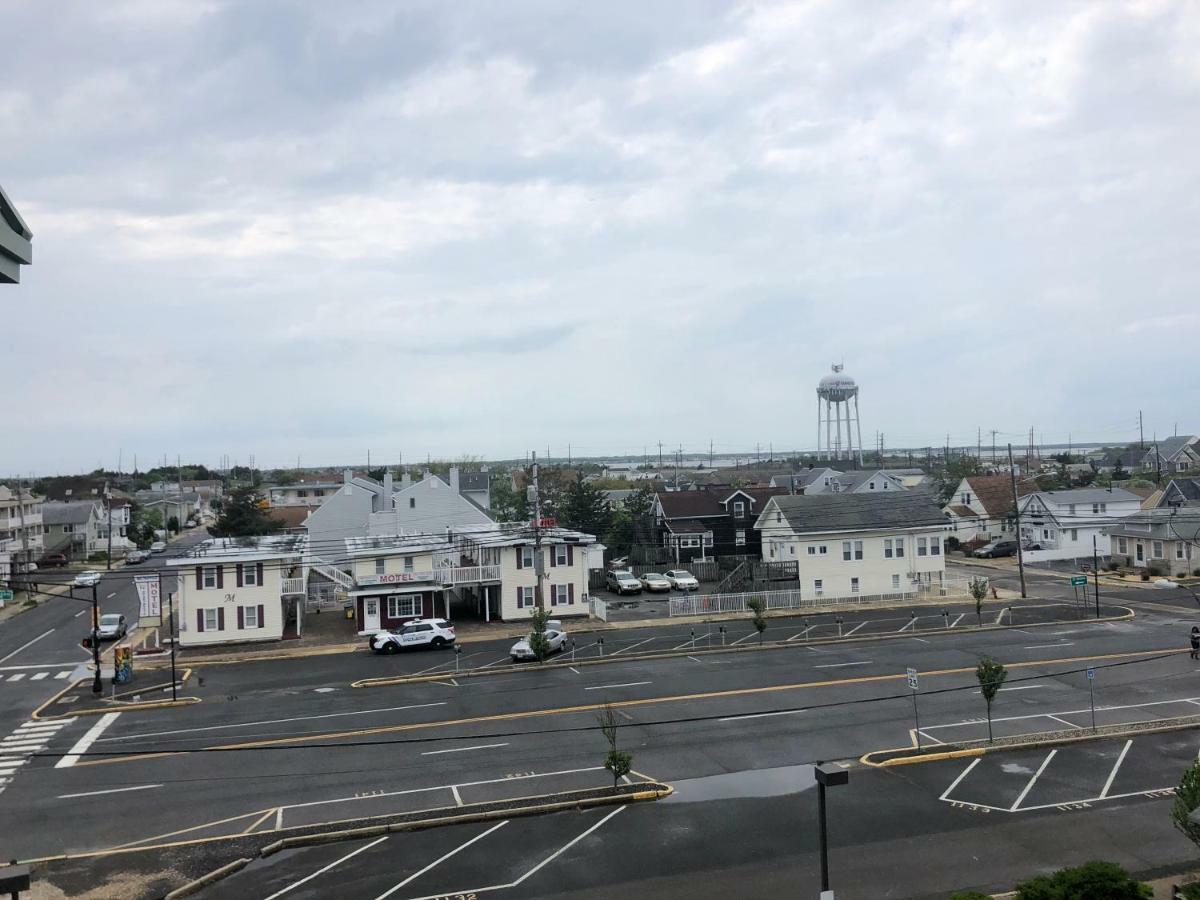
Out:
{"x": 739, "y": 509}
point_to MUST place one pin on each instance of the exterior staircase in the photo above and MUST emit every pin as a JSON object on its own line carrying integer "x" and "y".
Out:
{"x": 342, "y": 578}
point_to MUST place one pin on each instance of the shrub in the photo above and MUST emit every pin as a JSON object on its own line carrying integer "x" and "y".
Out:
{"x": 1094, "y": 880}
{"x": 1196, "y": 572}
{"x": 1157, "y": 569}
{"x": 970, "y": 895}
{"x": 1190, "y": 891}
{"x": 1112, "y": 566}
{"x": 1145, "y": 576}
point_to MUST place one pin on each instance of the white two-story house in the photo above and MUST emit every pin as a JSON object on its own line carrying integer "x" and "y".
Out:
{"x": 20, "y": 530}
{"x": 855, "y": 545}
{"x": 237, "y": 590}
{"x": 1072, "y": 524}
{"x": 482, "y": 571}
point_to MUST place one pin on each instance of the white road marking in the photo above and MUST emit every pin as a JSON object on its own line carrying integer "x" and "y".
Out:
{"x": 86, "y": 741}
{"x": 503, "y": 659}
{"x": 744, "y": 637}
{"x": 1050, "y": 646}
{"x": 1033, "y": 780}
{"x": 136, "y": 787}
{"x": 638, "y": 644}
{"x": 855, "y": 628}
{"x": 62, "y": 675}
{"x": 39, "y": 725}
{"x": 457, "y": 796}
{"x": 784, "y": 712}
{"x": 78, "y": 614}
{"x": 1068, "y": 712}
{"x": 1113, "y": 774}
{"x": 361, "y": 712}
{"x": 110, "y": 596}
{"x": 575, "y": 670}
{"x": 929, "y": 737}
{"x": 1064, "y": 721}
{"x": 16, "y": 677}
{"x": 441, "y": 859}
{"x": 963, "y": 774}
{"x": 462, "y": 749}
{"x": 7, "y": 746}
{"x": 802, "y": 633}
{"x": 324, "y": 869}
{"x": 1022, "y": 687}
{"x": 38, "y": 676}
{"x": 956, "y": 621}
{"x": 32, "y": 666}
{"x": 26, "y": 644}
{"x": 865, "y": 662}
{"x": 909, "y": 624}
{"x": 451, "y": 663}
{"x": 693, "y": 659}
{"x": 922, "y": 640}
{"x": 602, "y": 687}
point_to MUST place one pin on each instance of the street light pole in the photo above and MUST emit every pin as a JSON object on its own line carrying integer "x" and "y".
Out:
{"x": 1096, "y": 573}
{"x": 826, "y": 776}
{"x": 97, "y": 687}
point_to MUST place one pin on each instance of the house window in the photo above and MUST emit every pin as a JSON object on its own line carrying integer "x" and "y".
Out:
{"x": 1045, "y": 534}
{"x": 210, "y": 578}
{"x": 318, "y": 493}
{"x": 560, "y": 554}
{"x": 250, "y": 576}
{"x": 1122, "y": 545}
{"x": 899, "y": 546}
{"x": 301, "y": 493}
{"x": 526, "y": 557}
{"x": 524, "y": 597}
{"x": 210, "y": 620}
{"x": 1095, "y": 508}
{"x": 854, "y": 585}
{"x": 739, "y": 537}
{"x": 1158, "y": 549}
{"x": 379, "y": 564}
{"x": 1179, "y": 550}
{"x": 739, "y": 509}
{"x": 966, "y": 498}
{"x": 887, "y": 548}
{"x": 821, "y": 550}
{"x": 935, "y": 546}
{"x": 812, "y": 550}
{"x": 870, "y": 485}
{"x": 772, "y": 551}
{"x": 68, "y": 529}
{"x": 1074, "y": 534}
{"x": 408, "y": 564}
{"x": 402, "y": 606}
{"x": 846, "y": 554}
{"x": 921, "y": 547}
{"x": 819, "y": 587}
{"x": 792, "y": 547}
{"x": 858, "y": 549}
{"x": 560, "y": 594}
{"x": 1071, "y": 509}
{"x": 1103, "y": 507}
{"x": 250, "y": 617}
{"x": 886, "y": 485}
{"x": 896, "y": 582}
{"x": 778, "y": 516}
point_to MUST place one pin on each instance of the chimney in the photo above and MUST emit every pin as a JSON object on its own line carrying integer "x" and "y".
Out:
{"x": 454, "y": 479}
{"x": 387, "y": 487}
{"x": 405, "y": 480}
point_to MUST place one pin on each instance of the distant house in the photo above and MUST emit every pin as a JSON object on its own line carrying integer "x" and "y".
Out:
{"x": 80, "y": 528}
{"x": 798, "y": 482}
{"x": 714, "y": 520}
{"x": 20, "y": 529}
{"x": 301, "y": 493}
{"x": 16, "y": 242}
{"x": 858, "y": 544}
{"x": 1180, "y": 492}
{"x": 475, "y": 486}
{"x": 1165, "y": 538}
{"x": 910, "y": 478}
{"x": 981, "y": 507}
{"x": 616, "y": 498}
{"x": 430, "y": 505}
{"x": 1172, "y": 455}
{"x": 1071, "y": 524}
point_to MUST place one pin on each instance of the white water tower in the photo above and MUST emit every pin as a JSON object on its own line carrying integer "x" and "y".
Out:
{"x": 836, "y": 393}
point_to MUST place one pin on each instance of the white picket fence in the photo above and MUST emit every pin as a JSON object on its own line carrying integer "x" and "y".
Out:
{"x": 599, "y": 609}
{"x": 706, "y": 604}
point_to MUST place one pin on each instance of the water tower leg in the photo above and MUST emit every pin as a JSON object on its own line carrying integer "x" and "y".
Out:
{"x": 828, "y": 426}
{"x": 858, "y": 423}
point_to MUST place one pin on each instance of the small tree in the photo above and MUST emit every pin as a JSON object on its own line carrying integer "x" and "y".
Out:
{"x": 619, "y": 762}
{"x": 978, "y": 588}
{"x": 1187, "y": 799}
{"x": 1094, "y": 880}
{"x": 173, "y": 524}
{"x": 538, "y": 642}
{"x": 759, "y": 608}
{"x": 991, "y": 675}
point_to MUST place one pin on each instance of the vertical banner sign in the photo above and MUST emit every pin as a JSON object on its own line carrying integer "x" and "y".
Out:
{"x": 149, "y": 599}
{"x": 122, "y": 665}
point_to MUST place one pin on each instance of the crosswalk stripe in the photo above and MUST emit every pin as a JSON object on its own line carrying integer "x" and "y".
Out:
{"x": 38, "y": 676}
{"x": 63, "y": 675}
{"x": 57, "y": 723}
{"x": 17, "y": 677}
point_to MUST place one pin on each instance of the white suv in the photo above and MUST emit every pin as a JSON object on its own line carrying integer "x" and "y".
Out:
{"x": 435, "y": 633}
{"x": 682, "y": 580}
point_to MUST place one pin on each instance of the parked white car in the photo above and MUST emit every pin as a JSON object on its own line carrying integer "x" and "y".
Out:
{"x": 112, "y": 627}
{"x": 653, "y": 581}
{"x": 683, "y": 580}
{"x": 418, "y": 633}
{"x": 555, "y": 637}
{"x": 158, "y": 547}
{"x": 87, "y": 578}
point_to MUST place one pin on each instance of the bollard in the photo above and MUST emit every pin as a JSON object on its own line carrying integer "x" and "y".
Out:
{"x": 807, "y": 628}
{"x": 693, "y": 638}
{"x": 839, "y": 621}
{"x": 722, "y": 629}
{"x": 946, "y": 617}
{"x": 600, "y": 641}
{"x": 912, "y": 617}
{"x": 457, "y": 656}
{"x": 572, "y": 649}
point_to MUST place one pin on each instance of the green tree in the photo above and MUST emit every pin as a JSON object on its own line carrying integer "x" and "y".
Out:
{"x": 978, "y": 588}
{"x": 173, "y": 524}
{"x": 991, "y": 675}
{"x": 143, "y": 522}
{"x": 241, "y": 516}
{"x": 1094, "y": 880}
{"x": 538, "y": 642}
{"x": 1118, "y": 472}
{"x": 759, "y": 619}
{"x": 953, "y": 472}
{"x": 617, "y": 761}
{"x": 640, "y": 503}
{"x": 621, "y": 533}
{"x": 584, "y": 508}
{"x": 1187, "y": 799}
{"x": 508, "y": 505}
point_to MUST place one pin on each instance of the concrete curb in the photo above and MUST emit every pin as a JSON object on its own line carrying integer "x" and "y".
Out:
{"x": 100, "y": 710}
{"x": 960, "y": 751}
{"x": 389, "y": 681}
{"x": 205, "y": 880}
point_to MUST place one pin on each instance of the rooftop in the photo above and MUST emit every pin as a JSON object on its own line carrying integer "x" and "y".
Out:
{"x": 74, "y": 513}
{"x": 256, "y": 547}
{"x": 859, "y": 512}
{"x": 491, "y": 534}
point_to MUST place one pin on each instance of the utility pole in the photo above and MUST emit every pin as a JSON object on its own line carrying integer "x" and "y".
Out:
{"x": 1096, "y": 573}
{"x": 97, "y": 687}
{"x": 568, "y": 454}
{"x": 1141, "y": 433}
{"x": 979, "y": 443}
{"x": 677, "y": 454}
{"x": 1012, "y": 475}
{"x": 108, "y": 499}
{"x": 660, "y": 454}
{"x": 24, "y": 542}
{"x": 538, "y": 568}
{"x": 710, "y": 453}
{"x": 994, "y": 446}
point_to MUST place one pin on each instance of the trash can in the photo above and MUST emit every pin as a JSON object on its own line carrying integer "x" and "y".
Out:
{"x": 349, "y": 610}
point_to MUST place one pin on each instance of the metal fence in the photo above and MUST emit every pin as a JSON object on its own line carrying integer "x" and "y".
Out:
{"x": 704, "y": 571}
{"x": 704, "y": 604}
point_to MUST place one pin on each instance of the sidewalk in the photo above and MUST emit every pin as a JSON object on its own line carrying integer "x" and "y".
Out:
{"x": 1010, "y": 568}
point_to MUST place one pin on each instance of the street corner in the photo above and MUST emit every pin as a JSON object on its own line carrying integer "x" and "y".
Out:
{"x": 143, "y": 690}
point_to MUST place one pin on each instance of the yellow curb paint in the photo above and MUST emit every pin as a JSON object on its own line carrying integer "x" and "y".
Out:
{"x": 617, "y": 704}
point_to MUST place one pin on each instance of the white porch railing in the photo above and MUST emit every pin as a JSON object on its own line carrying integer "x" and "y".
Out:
{"x": 704, "y": 604}
{"x": 292, "y": 586}
{"x": 333, "y": 573}
{"x": 468, "y": 574}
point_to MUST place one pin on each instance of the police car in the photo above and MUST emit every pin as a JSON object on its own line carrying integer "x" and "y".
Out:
{"x": 418, "y": 633}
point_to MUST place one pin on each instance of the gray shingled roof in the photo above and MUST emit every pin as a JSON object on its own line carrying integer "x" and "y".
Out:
{"x": 859, "y": 512}
{"x": 1164, "y": 525}
{"x": 1091, "y": 495}
{"x": 74, "y": 513}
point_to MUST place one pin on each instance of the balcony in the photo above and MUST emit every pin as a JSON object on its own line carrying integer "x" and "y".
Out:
{"x": 292, "y": 586}
{"x": 468, "y": 574}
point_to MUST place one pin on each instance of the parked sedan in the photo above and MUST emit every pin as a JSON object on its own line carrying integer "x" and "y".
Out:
{"x": 112, "y": 627}
{"x": 682, "y": 580}
{"x": 136, "y": 556}
{"x": 158, "y": 547}
{"x": 623, "y": 583}
{"x": 87, "y": 578}
{"x": 995, "y": 549}
{"x": 556, "y": 640}
{"x": 52, "y": 560}
{"x": 654, "y": 582}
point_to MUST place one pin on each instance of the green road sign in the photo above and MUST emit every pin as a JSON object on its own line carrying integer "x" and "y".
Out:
{"x": 1078, "y": 580}
{"x": 6, "y": 595}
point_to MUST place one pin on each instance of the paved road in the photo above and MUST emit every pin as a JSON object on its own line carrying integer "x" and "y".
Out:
{"x": 290, "y": 742}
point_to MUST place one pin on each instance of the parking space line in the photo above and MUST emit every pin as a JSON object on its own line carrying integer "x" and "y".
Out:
{"x": 442, "y": 859}
{"x": 961, "y": 775}
{"x": 1050, "y": 646}
{"x": 601, "y": 687}
{"x": 767, "y": 715}
{"x": 457, "y": 795}
{"x": 744, "y": 637}
{"x": 503, "y": 659}
{"x": 929, "y": 737}
{"x": 451, "y": 663}
{"x": 260, "y": 820}
{"x": 1064, "y": 721}
{"x": 802, "y": 633}
{"x": 462, "y": 749}
{"x": 631, "y": 646}
{"x": 1113, "y": 774}
{"x": 324, "y": 869}
{"x": 1033, "y": 780}
{"x": 909, "y": 624}
{"x": 865, "y": 662}
{"x": 856, "y": 627}
{"x": 956, "y": 621}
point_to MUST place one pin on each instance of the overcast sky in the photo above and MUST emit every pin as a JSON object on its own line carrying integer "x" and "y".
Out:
{"x": 310, "y": 228}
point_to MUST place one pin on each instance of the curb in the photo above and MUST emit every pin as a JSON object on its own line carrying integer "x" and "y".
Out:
{"x": 1193, "y": 722}
{"x": 96, "y": 711}
{"x": 389, "y": 681}
{"x": 205, "y": 880}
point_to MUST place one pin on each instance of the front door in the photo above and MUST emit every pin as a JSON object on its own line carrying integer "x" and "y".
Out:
{"x": 370, "y": 614}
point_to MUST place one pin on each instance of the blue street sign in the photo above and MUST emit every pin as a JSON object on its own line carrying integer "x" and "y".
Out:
{"x": 1091, "y": 673}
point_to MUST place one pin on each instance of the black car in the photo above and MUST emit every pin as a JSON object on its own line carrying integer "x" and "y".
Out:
{"x": 995, "y": 549}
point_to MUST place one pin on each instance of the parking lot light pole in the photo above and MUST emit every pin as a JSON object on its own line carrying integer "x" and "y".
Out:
{"x": 97, "y": 687}
{"x": 827, "y": 776}
{"x": 1096, "y": 573}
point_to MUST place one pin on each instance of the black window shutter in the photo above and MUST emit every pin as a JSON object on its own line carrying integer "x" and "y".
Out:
{"x": 239, "y": 584}
{"x": 220, "y": 616}
{"x": 199, "y": 620}
{"x": 261, "y": 624}
{"x": 199, "y": 578}
{"x": 241, "y": 616}
{"x": 258, "y": 568}
{"x": 220, "y": 576}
